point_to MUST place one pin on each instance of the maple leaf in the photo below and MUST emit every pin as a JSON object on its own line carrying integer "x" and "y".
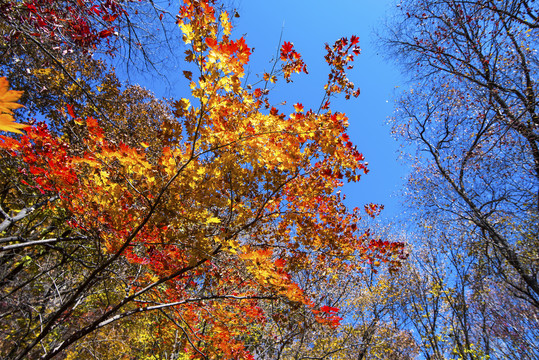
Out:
{"x": 211, "y": 42}
{"x": 286, "y": 49}
{"x": 7, "y": 104}
{"x": 8, "y": 97}
{"x": 329, "y": 309}
{"x": 7, "y": 123}
{"x": 213, "y": 220}
{"x": 225, "y": 23}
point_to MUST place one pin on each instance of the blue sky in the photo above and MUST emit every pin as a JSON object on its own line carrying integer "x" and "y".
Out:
{"x": 309, "y": 25}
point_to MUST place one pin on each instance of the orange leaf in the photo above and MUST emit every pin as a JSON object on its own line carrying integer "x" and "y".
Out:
{"x": 211, "y": 42}
{"x": 7, "y": 103}
{"x": 8, "y": 97}
{"x": 7, "y": 123}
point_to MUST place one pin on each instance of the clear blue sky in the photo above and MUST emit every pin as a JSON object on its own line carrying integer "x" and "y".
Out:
{"x": 309, "y": 25}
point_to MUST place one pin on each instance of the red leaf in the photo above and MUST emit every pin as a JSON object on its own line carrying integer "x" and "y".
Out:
{"x": 110, "y": 18}
{"x": 329, "y": 309}
{"x": 105, "y": 33}
{"x": 211, "y": 42}
{"x": 286, "y": 49}
{"x": 70, "y": 111}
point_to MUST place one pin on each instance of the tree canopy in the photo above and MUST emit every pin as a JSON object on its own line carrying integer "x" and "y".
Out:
{"x": 203, "y": 227}
{"x": 214, "y": 225}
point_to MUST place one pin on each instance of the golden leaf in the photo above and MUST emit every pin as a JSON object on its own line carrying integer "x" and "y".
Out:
{"x": 8, "y": 97}
{"x": 7, "y": 123}
{"x": 7, "y": 104}
{"x": 213, "y": 220}
{"x": 225, "y": 23}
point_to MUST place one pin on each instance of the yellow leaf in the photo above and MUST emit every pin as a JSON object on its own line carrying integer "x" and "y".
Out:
{"x": 225, "y": 23}
{"x": 7, "y": 103}
{"x": 213, "y": 220}
{"x": 45, "y": 71}
{"x": 7, "y": 123}
{"x": 8, "y": 97}
{"x": 187, "y": 30}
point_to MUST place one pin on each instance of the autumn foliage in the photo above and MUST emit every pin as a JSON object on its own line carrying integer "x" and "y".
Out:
{"x": 472, "y": 287}
{"x": 67, "y": 25}
{"x": 200, "y": 233}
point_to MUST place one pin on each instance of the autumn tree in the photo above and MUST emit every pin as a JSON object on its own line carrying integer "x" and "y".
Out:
{"x": 62, "y": 52}
{"x": 471, "y": 116}
{"x": 211, "y": 229}
{"x": 361, "y": 300}
{"x": 474, "y": 120}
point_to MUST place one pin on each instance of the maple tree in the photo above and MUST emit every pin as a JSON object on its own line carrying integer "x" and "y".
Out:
{"x": 199, "y": 231}
{"x": 362, "y": 299}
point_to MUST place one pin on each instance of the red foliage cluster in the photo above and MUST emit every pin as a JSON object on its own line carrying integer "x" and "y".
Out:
{"x": 339, "y": 57}
{"x": 65, "y": 24}
{"x": 48, "y": 165}
{"x": 293, "y": 63}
